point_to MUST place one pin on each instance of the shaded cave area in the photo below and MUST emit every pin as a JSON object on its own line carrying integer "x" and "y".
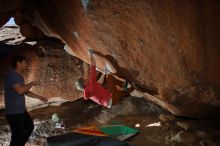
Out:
{"x": 167, "y": 51}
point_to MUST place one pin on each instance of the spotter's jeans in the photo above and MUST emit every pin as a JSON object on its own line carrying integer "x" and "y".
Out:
{"x": 21, "y": 126}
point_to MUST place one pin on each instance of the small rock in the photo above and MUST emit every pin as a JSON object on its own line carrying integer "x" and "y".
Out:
{"x": 184, "y": 137}
{"x": 183, "y": 125}
{"x": 201, "y": 134}
{"x": 166, "y": 117}
{"x": 137, "y": 93}
{"x": 207, "y": 142}
{"x": 167, "y": 124}
{"x": 137, "y": 125}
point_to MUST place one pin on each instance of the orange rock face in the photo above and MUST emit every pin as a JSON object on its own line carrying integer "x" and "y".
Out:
{"x": 168, "y": 47}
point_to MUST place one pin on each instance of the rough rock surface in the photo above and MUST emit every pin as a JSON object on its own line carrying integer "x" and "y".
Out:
{"x": 11, "y": 35}
{"x": 83, "y": 113}
{"x": 168, "y": 47}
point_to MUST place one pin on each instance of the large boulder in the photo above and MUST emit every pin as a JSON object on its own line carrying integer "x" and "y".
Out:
{"x": 168, "y": 48}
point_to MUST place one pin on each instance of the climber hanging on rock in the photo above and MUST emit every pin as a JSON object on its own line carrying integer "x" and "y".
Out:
{"x": 107, "y": 94}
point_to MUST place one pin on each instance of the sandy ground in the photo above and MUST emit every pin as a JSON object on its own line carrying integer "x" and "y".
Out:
{"x": 157, "y": 127}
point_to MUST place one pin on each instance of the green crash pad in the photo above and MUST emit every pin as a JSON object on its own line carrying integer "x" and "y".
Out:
{"x": 119, "y": 131}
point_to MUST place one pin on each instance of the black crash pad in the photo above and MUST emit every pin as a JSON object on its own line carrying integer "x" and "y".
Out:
{"x": 77, "y": 139}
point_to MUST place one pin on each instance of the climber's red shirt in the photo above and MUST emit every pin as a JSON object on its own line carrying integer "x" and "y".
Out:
{"x": 94, "y": 91}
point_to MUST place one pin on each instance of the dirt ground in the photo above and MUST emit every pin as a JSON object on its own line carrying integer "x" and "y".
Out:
{"x": 157, "y": 127}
